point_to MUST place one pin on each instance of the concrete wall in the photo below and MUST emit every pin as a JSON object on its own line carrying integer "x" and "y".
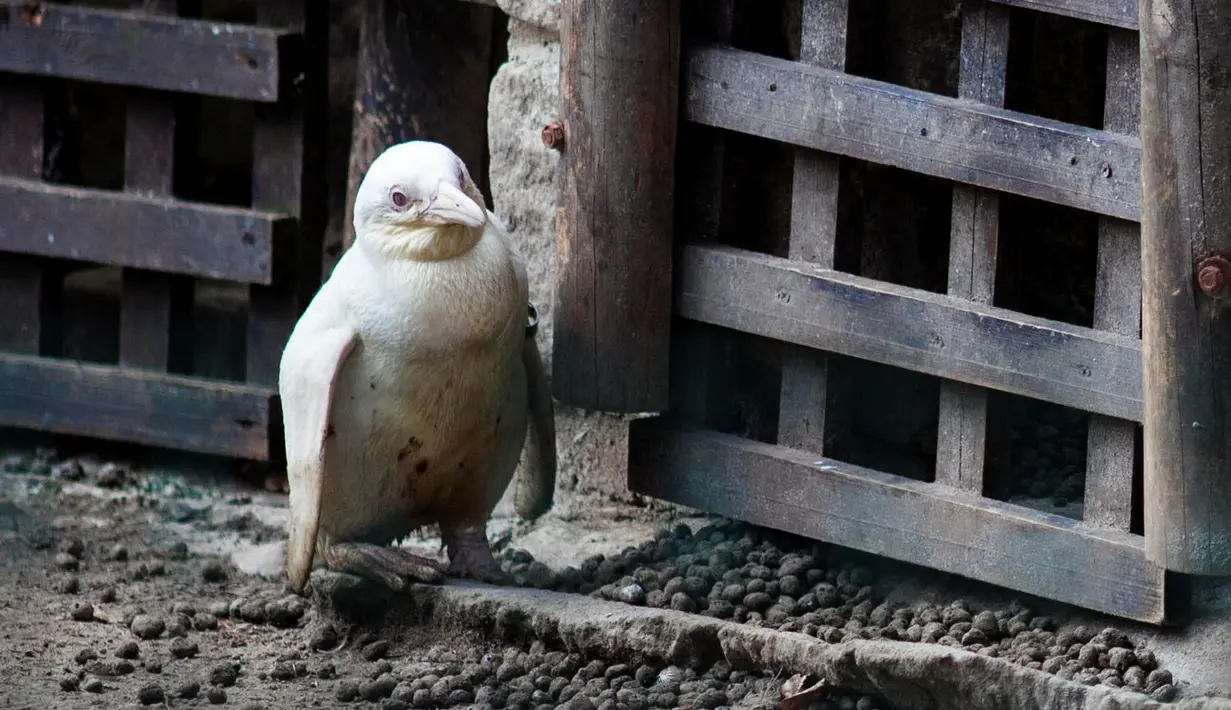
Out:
{"x": 524, "y": 97}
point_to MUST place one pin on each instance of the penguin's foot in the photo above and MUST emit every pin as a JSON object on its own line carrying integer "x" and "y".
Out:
{"x": 390, "y": 566}
{"x": 470, "y": 555}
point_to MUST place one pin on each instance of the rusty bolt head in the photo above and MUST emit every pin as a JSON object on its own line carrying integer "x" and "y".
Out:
{"x": 553, "y": 135}
{"x": 1213, "y": 274}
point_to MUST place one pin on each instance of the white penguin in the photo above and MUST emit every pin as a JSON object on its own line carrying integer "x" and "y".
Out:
{"x": 410, "y": 381}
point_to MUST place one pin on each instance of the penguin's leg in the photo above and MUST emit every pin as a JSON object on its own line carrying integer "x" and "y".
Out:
{"x": 470, "y": 554}
{"x": 390, "y": 566}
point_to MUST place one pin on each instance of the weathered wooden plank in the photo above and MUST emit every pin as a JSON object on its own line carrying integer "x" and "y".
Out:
{"x": 147, "y": 408}
{"x": 1117, "y": 301}
{"x": 1117, "y": 13}
{"x": 154, "y": 308}
{"x": 22, "y": 282}
{"x": 961, "y": 441}
{"x": 612, "y": 300}
{"x": 155, "y": 233}
{"x": 900, "y": 518}
{"x": 134, "y": 49}
{"x": 1185, "y": 111}
{"x": 814, "y": 233}
{"x": 944, "y": 137}
{"x": 909, "y": 328}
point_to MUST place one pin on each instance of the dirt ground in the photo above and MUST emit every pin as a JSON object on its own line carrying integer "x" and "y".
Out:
{"x": 125, "y": 588}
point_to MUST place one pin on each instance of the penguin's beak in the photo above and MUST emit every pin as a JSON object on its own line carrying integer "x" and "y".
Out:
{"x": 452, "y": 206}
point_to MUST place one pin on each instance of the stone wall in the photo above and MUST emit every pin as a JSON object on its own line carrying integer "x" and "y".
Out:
{"x": 524, "y": 97}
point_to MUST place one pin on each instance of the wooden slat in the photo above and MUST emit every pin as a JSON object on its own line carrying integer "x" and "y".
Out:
{"x": 940, "y": 136}
{"x": 1117, "y": 13}
{"x": 133, "y": 49}
{"x": 154, "y": 308}
{"x": 1117, "y": 301}
{"x": 22, "y": 281}
{"x": 155, "y": 233}
{"x": 277, "y": 183}
{"x": 910, "y": 328}
{"x": 921, "y": 523}
{"x": 147, "y": 408}
{"x": 814, "y": 233}
{"x": 961, "y": 441}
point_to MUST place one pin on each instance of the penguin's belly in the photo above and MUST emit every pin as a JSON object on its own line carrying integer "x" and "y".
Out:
{"x": 420, "y": 444}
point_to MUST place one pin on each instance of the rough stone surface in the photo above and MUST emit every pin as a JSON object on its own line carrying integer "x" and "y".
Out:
{"x": 524, "y": 97}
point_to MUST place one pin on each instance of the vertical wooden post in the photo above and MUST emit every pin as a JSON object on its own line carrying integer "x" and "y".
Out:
{"x": 154, "y": 307}
{"x": 612, "y": 303}
{"x": 23, "y": 281}
{"x": 1185, "y": 238}
{"x": 422, "y": 74}
{"x": 1117, "y": 301}
{"x": 814, "y": 232}
{"x": 962, "y": 427}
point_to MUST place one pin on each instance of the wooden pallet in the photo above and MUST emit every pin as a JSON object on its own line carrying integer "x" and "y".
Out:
{"x": 161, "y": 241}
{"x": 950, "y": 524}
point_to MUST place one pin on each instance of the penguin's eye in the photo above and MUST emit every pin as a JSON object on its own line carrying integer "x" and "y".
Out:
{"x": 399, "y": 198}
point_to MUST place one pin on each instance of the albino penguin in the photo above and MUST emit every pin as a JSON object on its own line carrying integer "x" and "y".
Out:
{"x": 410, "y": 381}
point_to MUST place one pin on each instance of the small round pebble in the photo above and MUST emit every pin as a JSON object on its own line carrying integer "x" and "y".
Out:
{"x": 376, "y": 650}
{"x": 153, "y": 665}
{"x": 129, "y": 650}
{"x": 151, "y": 694}
{"x": 346, "y": 691}
{"x": 107, "y": 596}
{"x": 205, "y": 622}
{"x": 69, "y": 682}
{"x": 223, "y": 675}
{"x": 374, "y": 690}
{"x": 147, "y": 627}
{"x": 92, "y": 685}
{"x": 67, "y": 562}
{"x": 282, "y": 671}
{"x": 85, "y": 655}
{"x": 187, "y": 690}
{"x": 183, "y": 648}
{"x": 216, "y": 695}
{"x": 1164, "y": 693}
{"x": 118, "y": 553}
{"x": 82, "y": 612}
{"x": 322, "y": 637}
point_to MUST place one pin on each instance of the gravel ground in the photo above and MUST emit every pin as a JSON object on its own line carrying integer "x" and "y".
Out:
{"x": 104, "y": 603}
{"x": 734, "y": 571}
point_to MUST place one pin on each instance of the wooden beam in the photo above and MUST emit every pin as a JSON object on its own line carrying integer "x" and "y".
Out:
{"x": 155, "y": 308}
{"x": 155, "y": 233}
{"x": 1185, "y": 111}
{"x": 936, "y": 135}
{"x": 133, "y": 49}
{"x": 1111, "y": 443}
{"x": 422, "y": 74}
{"x": 147, "y": 408}
{"x": 814, "y": 234}
{"x": 910, "y": 328}
{"x": 612, "y": 301}
{"x": 1117, "y": 13}
{"x": 900, "y": 518}
{"x": 961, "y": 440}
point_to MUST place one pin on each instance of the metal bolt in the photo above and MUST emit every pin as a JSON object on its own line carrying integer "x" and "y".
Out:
{"x": 1213, "y": 273}
{"x": 553, "y": 135}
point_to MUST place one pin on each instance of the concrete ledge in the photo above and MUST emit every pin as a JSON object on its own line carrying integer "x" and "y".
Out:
{"x": 913, "y": 676}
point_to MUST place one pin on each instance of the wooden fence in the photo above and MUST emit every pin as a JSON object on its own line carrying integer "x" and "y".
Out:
{"x": 163, "y": 242}
{"x": 949, "y": 521}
